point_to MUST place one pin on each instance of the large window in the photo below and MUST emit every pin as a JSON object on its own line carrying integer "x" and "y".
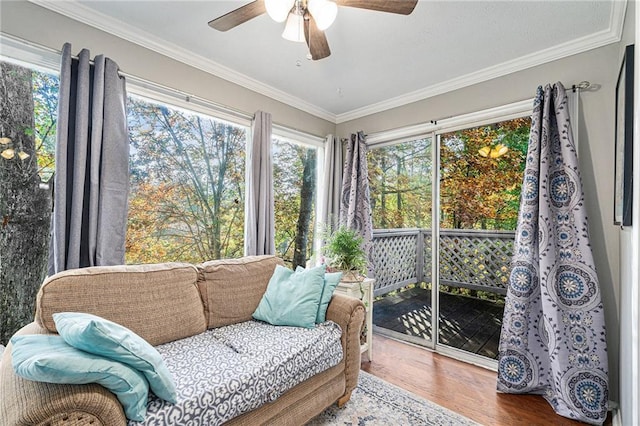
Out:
{"x": 294, "y": 188}
{"x": 481, "y": 172}
{"x": 187, "y": 185}
{"x": 187, "y": 182}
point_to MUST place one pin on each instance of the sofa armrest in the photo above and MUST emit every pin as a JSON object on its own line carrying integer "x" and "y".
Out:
{"x": 25, "y": 402}
{"x": 349, "y": 314}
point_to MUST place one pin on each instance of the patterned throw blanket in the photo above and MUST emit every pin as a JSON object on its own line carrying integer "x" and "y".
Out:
{"x": 231, "y": 370}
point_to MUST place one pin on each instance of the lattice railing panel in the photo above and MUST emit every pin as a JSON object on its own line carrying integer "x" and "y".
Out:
{"x": 475, "y": 260}
{"x": 394, "y": 259}
{"x": 468, "y": 258}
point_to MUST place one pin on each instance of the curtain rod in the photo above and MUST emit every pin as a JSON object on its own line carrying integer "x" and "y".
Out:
{"x": 54, "y": 56}
{"x": 583, "y": 85}
{"x": 197, "y": 100}
{"x": 48, "y": 58}
{"x": 187, "y": 97}
{"x": 385, "y": 136}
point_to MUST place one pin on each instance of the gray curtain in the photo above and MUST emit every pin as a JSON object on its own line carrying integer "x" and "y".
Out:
{"x": 91, "y": 180}
{"x": 259, "y": 226}
{"x": 355, "y": 207}
{"x": 333, "y": 159}
{"x": 553, "y": 339}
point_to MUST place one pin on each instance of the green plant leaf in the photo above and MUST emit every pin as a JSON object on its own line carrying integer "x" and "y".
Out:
{"x": 344, "y": 250}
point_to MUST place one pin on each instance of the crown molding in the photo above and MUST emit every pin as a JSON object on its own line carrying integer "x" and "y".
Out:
{"x": 602, "y": 38}
{"x": 79, "y": 12}
{"x": 84, "y": 14}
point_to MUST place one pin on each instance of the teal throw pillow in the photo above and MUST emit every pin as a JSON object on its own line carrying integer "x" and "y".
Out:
{"x": 331, "y": 281}
{"x": 99, "y": 336}
{"x": 48, "y": 358}
{"x": 292, "y": 298}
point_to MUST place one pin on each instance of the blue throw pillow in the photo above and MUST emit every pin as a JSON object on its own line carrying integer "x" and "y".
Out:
{"x": 102, "y": 337}
{"x": 331, "y": 281}
{"x": 48, "y": 358}
{"x": 292, "y": 298}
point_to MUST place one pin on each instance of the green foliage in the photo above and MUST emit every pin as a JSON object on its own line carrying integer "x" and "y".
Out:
{"x": 343, "y": 250}
{"x": 480, "y": 192}
{"x": 476, "y": 192}
{"x": 400, "y": 185}
{"x": 187, "y": 185}
{"x": 45, "y": 107}
{"x": 289, "y": 161}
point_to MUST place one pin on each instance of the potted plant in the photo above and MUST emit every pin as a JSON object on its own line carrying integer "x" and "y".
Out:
{"x": 343, "y": 251}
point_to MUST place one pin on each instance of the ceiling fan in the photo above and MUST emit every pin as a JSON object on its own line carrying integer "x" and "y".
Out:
{"x": 306, "y": 19}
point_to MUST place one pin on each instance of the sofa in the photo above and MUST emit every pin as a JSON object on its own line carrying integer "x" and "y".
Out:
{"x": 167, "y": 304}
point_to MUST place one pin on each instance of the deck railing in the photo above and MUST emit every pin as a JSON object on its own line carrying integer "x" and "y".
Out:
{"x": 469, "y": 258}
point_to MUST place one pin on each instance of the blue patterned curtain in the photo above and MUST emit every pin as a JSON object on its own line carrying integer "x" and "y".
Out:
{"x": 553, "y": 333}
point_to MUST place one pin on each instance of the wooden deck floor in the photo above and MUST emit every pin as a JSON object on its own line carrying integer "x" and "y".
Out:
{"x": 466, "y": 323}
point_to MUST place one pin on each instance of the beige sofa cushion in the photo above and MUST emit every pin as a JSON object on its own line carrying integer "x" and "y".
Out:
{"x": 232, "y": 288}
{"x": 159, "y": 302}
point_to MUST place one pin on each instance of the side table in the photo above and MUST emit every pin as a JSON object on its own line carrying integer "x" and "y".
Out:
{"x": 363, "y": 291}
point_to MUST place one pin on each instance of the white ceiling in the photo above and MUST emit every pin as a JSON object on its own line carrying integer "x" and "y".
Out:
{"x": 378, "y": 60}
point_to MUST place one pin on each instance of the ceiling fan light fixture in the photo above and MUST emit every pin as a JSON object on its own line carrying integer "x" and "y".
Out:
{"x": 278, "y": 10}
{"x": 324, "y": 12}
{"x": 294, "y": 29}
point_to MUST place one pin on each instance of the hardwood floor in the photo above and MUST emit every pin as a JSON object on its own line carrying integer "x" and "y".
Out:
{"x": 458, "y": 386}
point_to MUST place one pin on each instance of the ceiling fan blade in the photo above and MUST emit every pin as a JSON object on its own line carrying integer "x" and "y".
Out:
{"x": 402, "y": 7}
{"x": 316, "y": 40}
{"x": 238, "y": 16}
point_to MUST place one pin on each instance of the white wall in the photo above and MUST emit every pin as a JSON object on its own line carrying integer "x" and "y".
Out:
{"x": 596, "y": 133}
{"x": 630, "y": 254}
{"x": 42, "y": 26}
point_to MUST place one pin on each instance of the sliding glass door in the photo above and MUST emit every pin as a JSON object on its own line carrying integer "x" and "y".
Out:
{"x": 400, "y": 176}
{"x": 442, "y": 252}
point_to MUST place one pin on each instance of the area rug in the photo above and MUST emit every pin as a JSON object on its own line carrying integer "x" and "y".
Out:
{"x": 376, "y": 402}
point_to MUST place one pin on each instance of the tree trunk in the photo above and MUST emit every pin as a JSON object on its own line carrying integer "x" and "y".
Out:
{"x": 306, "y": 209}
{"x": 25, "y": 207}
